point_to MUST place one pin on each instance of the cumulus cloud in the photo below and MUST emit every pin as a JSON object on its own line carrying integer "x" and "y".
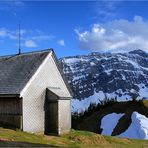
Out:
{"x": 30, "y": 43}
{"x": 116, "y": 35}
{"x": 61, "y": 42}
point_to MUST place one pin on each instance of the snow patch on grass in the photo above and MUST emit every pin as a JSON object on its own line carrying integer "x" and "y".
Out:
{"x": 138, "y": 128}
{"x": 109, "y": 122}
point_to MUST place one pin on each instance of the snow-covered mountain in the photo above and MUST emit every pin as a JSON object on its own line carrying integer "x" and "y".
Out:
{"x": 97, "y": 76}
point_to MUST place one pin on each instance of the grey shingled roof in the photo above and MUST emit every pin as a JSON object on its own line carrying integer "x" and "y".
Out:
{"x": 16, "y": 70}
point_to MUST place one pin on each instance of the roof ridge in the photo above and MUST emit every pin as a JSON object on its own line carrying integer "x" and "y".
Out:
{"x": 25, "y": 53}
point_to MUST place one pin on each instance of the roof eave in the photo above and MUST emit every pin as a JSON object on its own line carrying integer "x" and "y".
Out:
{"x": 9, "y": 95}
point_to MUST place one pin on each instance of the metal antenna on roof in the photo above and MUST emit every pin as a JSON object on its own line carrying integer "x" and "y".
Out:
{"x": 19, "y": 41}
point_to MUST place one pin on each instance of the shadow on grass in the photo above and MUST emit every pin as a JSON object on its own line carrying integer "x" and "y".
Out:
{"x": 23, "y": 144}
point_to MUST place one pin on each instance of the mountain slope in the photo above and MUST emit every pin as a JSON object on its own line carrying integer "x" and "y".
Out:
{"x": 97, "y": 76}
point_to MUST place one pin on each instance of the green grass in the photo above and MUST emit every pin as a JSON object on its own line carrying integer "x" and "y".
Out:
{"x": 74, "y": 139}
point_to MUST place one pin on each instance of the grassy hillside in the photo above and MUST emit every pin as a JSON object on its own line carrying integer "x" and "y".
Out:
{"x": 91, "y": 120}
{"x": 73, "y": 139}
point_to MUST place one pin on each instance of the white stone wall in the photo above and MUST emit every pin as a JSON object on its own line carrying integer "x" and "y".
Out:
{"x": 34, "y": 95}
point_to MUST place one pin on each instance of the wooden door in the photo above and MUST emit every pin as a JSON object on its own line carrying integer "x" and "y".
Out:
{"x": 51, "y": 118}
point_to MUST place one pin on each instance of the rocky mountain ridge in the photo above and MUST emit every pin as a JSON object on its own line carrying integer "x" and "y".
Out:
{"x": 97, "y": 76}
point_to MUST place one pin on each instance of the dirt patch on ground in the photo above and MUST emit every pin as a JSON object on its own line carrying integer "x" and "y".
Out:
{"x": 5, "y": 139}
{"x": 121, "y": 140}
{"x": 89, "y": 140}
{"x": 126, "y": 141}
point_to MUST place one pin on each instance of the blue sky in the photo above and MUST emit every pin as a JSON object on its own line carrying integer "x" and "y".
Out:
{"x": 73, "y": 28}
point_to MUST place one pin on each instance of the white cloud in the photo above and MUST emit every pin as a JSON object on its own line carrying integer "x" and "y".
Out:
{"x": 107, "y": 10}
{"x": 18, "y": 2}
{"x": 11, "y": 34}
{"x": 61, "y": 42}
{"x": 29, "y": 38}
{"x": 3, "y": 32}
{"x": 13, "y": 5}
{"x": 36, "y": 35}
{"x": 42, "y": 37}
{"x": 116, "y": 35}
{"x": 30, "y": 43}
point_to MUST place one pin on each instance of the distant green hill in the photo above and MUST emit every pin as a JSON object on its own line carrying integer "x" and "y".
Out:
{"x": 74, "y": 139}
